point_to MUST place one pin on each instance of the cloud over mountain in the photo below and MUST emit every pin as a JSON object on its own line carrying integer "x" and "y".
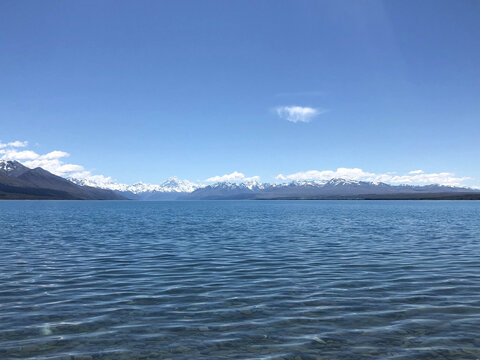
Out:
{"x": 413, "y": 177}
{"x": 51, "y": 161}
{"x": 234, "y": 176}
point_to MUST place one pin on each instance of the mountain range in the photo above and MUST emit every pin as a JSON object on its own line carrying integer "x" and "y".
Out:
{"x": 171, "y": 189}
{"x": 176, "y": 189}
{"x": 20, "y": 182}
{"x": 329, "y": 189}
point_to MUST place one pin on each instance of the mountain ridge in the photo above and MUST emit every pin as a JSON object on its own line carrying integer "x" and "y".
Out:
{"x": 20, "y": 182}
{"x": 336, "y": 188}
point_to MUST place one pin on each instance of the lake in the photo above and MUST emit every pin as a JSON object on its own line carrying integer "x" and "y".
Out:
{"x": 240, "y": 280}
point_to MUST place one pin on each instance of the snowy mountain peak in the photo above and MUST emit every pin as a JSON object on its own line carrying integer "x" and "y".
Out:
{"x": 251, "y": 185}
{"x": 329, "y": 182}
{"x": 12, "y": 167}
{"x": 341, "y": 181}
{"x": 171, "y": 185}
{"x": 9, "y": 165}
{"x": 175, "y": 185}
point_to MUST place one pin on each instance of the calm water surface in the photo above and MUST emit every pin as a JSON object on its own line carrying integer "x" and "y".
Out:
{"x": 240, "y": 280}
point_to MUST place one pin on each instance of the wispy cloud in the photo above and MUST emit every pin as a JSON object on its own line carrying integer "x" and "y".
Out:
{"x": 234, "y": 176}
{"x": 55, "y": 155}
{"x": 412, "y": 178}
{"x": 297, "y": 114}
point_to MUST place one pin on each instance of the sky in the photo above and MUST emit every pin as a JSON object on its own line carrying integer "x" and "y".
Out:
{"x": 219, "y": 90}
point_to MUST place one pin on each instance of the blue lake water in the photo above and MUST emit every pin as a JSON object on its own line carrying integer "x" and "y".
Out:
{"x": 240, "y": 280}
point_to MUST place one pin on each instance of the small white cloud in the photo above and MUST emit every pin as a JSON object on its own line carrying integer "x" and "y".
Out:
{"x": 55, "y": 155}
{"x": 297, "y": 114}
{"x": 15, "y": 144}
{"x": 415, "y": 177}
{"x": 234, "y": 176}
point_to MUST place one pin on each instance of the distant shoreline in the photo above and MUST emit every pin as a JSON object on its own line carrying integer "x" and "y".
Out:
{"x": 433, "y": 196}
{"x": 409, "y": 197}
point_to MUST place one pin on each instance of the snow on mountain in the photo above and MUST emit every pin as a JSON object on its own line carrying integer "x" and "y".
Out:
{"x": 20, "y": 182}
{"x": 316, "y": 189}
{"x": 12, "y": 167}
{"x": 175, "y": 184}
{"x": 7, "y": 166}
{"x": 171, "y": 185}
{"x": 174, "y": 189}
{"x": 317, "y": 183}
{"x": 229, "y": 185}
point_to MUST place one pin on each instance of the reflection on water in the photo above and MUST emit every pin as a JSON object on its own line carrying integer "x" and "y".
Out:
{"x": 240, "y": 280}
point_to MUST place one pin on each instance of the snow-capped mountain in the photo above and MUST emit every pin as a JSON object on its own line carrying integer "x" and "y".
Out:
{"x": 323, "y": 189}
{"x": 12, "y": 168}
{"x": 337, "y": 188}
{"x": 20, "y": 182}
{"x": 171, "y": 185}
{"x": 229, "y": 190}
{"x": 175, "y": 184}
{"x": 171, "y": 189}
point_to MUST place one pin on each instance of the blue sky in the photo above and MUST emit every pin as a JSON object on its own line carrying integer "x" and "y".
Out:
{"x": 143, "y": 90}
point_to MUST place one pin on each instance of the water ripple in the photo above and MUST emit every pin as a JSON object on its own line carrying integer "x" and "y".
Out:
{"x": 240, "y": 280}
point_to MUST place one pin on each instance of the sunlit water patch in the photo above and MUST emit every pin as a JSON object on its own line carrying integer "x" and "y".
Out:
{"x": 240, "y": 280}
